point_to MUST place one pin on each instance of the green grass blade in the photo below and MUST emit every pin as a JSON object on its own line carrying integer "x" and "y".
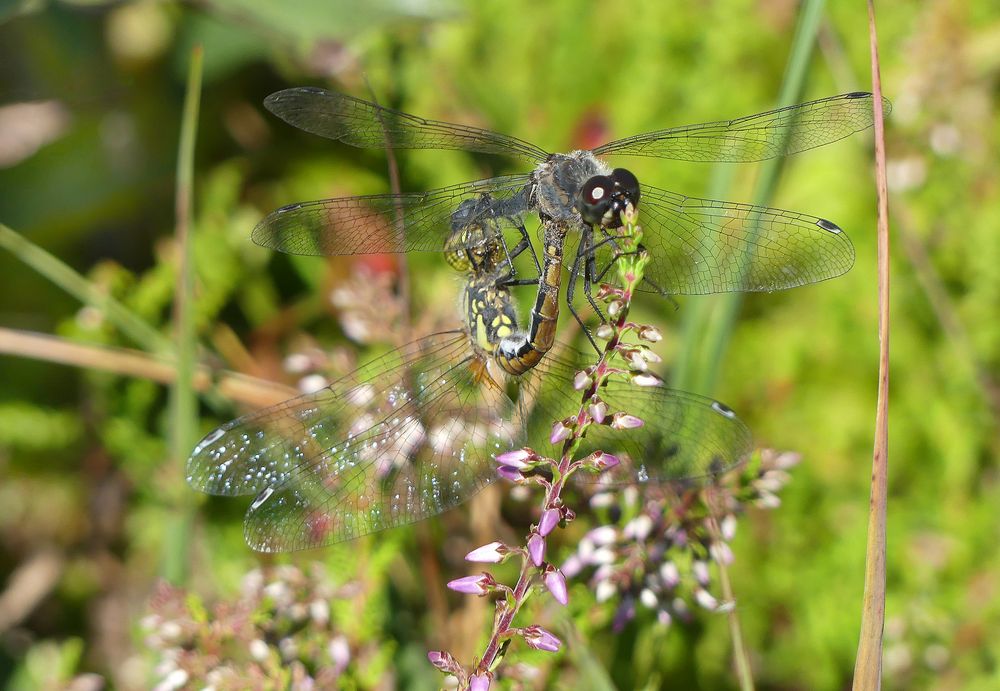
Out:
{"x": 183, "y": 400}
{"x": 61, "y": 274}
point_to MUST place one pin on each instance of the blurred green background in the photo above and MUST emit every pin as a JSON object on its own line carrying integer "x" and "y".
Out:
{"x": 93, "y": 506}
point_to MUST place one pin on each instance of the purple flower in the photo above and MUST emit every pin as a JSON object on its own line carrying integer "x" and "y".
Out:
{"x": 649, "y": 333}
{"x": 556, "y": 583}
{"x": 646, "y": 379}
{"x": 473, "y": 585}
{"x": 625, "y": 421}
{"x": 550, "y": 519}
{"x": 444, "y": 661}
{"x": 509, "y": 472}
{"x": 538, "y": 638}
{"x": 598, "y": 410}
{"x": 492, "y": 553}
{"x": 582, "y": 380}
{"x": 536, "y": 549}
{"x": 561, "y": 431}
{"x": 601, "y": 461}
{"x": 479, "y": 682}
{"x": 522, "y": 459}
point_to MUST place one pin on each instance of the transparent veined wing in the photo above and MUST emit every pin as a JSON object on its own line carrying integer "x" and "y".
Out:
{"x": 757, "y": 137}
{"x": 402, "y": 438}
{"x": 699, "y": 246}
{"x": 685, "y": 437}
{"x": 363, "y": 225}
{"x": 368, "y": 125}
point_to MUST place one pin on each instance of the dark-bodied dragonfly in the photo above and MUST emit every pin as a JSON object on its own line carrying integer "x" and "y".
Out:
{"x": 697, "y": 245}
{"x": 415, "y": 432}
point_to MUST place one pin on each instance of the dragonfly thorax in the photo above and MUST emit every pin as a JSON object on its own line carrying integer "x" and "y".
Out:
{"x": 558, "y": 182}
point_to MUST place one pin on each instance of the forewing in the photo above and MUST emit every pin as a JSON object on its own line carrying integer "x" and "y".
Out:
{"x": 685, "y": 437}
{"x": 365, "y": 224}
{"x": 403, "y": 438}
{"x": 700, "y": 246}
{"x": 367, "y": 125}
{"x": 756, "y": 137}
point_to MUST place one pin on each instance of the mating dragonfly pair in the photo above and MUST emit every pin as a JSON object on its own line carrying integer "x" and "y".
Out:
{"x": 415, "y": 432}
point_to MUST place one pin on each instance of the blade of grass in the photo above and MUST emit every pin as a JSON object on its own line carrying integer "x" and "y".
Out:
{"x": 233, "y": 386}
{"x": 183, "y": 400}
{"x": 868, "y": 664}
{"x": 61, "y": 274}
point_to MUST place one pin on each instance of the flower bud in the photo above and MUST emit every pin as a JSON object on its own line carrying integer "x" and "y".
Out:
{"x": 522, "y": 459}
{"x": 536, "y": 549}
{"x": 561, "y": 431}
{"x": 493, "y": 553}
{"x": 582, "y": 380}
{"x": 538, "y": 638}
{"x": 549, "y": 520}
{"x": 556, "y": 584}
{"x": 598, "y": 410}
{"x": 625, "y": 421}
{"x": 473, "y": 585}
{"x": 650, "y": 334}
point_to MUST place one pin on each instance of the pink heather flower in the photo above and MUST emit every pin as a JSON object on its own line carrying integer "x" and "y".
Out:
{"x": 492, "y": 553}
{"x": 538, "y": 638}
{"x": 614, "y": 307}
{"x": 473, "y": 585}
{"x": 511, "y": 473}
{"x": 700, "y": 570}
{"x": 721, "y": 553}
{"x": 728, "y": 527}
{"x": 548, "y": 522}
{"x": 560, "y": 432}
{"x": 536, "y": 549}
{"x": 706, "y": 599}
{"x": 604, "y": 331}
{"x": 670, "y": 574}
{"x": 636, "y": 360}
{"x": 479, "y": 682}
{"x": 444, "y": 661}
{"x": 556, "y": 583}
{"x": 625, "y": 421}
{"x": 582, "y": 380}
{"x": 598, "y": 410}
{"x": 646, "y": 379}
{"x": 522, "y": 459}
{"x": 649, "y": 333}
{"x": 601, "y": 461}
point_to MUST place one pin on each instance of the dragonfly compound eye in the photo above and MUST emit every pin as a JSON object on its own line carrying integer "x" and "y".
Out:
{"x": 595, "y": 199}
{"x": 626, "y": 186}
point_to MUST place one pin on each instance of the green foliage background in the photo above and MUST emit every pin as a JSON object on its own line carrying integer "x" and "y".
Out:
{"x": 85, "y": 471}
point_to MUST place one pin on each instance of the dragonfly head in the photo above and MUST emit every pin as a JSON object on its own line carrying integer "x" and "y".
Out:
{"x": 602, "y": 198}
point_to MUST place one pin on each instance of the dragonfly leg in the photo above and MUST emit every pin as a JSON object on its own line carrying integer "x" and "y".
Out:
{"x": 510, "y": 253}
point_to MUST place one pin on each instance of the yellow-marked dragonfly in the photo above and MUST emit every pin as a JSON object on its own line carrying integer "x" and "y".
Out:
{"x": 415, "y": 432}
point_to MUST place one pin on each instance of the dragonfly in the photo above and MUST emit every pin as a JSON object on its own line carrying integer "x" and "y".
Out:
{"x": 416, "y": 432}
{"x": 698, "y": 246}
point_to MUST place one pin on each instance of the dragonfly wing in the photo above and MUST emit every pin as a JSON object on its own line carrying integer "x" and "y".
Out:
{"x": 685, "y": 437}
{"x": 757, "y": 137}
{"x": 700, "y": 246}
{"x": 404, "y": 437}
{"x": 362, "y": 225}
{"x": 368, "y": 125}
